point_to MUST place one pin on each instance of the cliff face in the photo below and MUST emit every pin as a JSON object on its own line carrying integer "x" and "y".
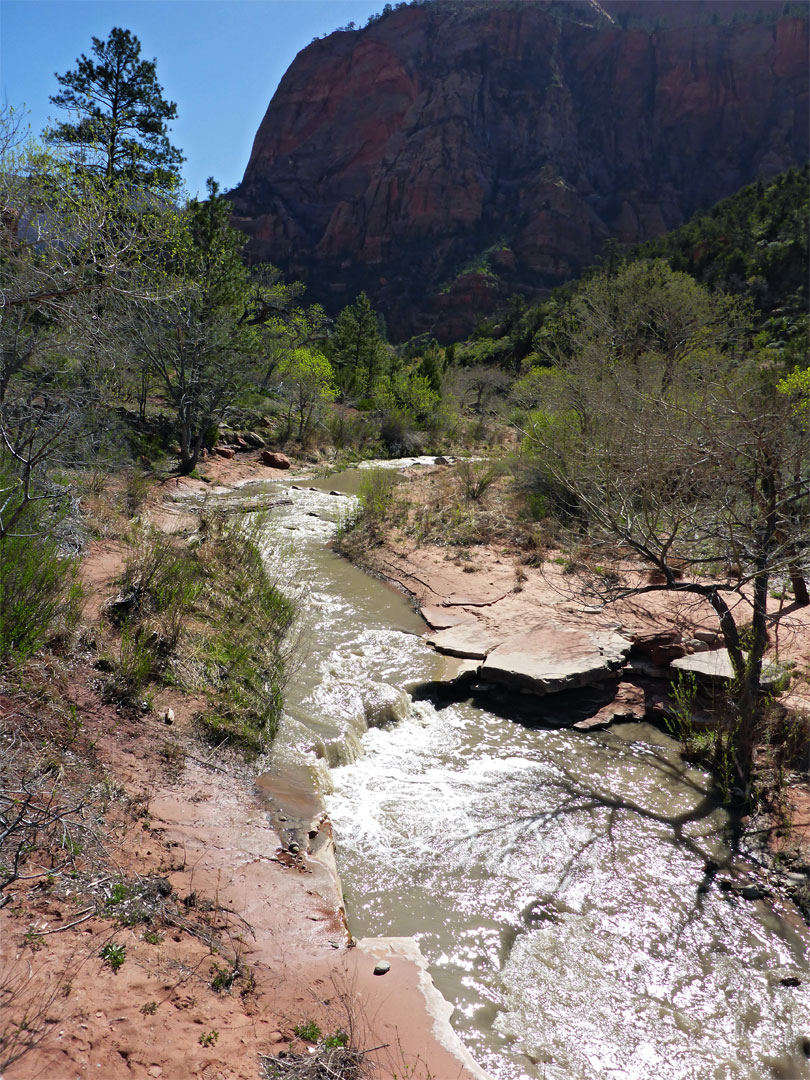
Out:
{"x": 449, "y": 154}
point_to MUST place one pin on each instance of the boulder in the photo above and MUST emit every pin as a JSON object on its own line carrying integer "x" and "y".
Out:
{"x": 224, "y": 452}
{"x": 254, "y": 440}
{"x": 630, "y": 703}
{"x": 384, "y": 704}
{"x": 275, "y": 459}
{"x": 661, "y": 646}
{"x": 548, "y": 658}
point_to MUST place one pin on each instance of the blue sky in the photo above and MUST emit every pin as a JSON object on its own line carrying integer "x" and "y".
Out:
{"x": 220, "y": 60}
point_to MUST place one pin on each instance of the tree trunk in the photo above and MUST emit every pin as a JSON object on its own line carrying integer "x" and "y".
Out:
{"x": 799, "y": 585}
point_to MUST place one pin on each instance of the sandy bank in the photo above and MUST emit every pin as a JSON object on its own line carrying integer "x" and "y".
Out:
{"x": 235, "y": 897}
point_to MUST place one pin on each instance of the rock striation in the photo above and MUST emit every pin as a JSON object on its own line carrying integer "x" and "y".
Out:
{"x": 451, "y": 153}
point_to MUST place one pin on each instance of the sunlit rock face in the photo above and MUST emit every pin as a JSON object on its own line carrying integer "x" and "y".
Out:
{"x": 449, "y": 154}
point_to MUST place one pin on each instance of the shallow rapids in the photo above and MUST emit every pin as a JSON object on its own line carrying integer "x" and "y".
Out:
{"x": 554, "y": 880}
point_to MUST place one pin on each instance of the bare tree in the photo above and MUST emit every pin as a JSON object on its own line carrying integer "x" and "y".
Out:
{"x": 677, "y": 452}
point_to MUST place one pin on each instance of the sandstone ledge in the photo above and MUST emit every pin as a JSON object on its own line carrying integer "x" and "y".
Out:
{"x": 545, "y": 659}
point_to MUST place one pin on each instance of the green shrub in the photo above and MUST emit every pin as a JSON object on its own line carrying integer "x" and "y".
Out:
{"x": 114, "y": 955}
{"x": 309, "y": 1032}
{"x": 37, "y": 579}
{"x": 476, "y": 477}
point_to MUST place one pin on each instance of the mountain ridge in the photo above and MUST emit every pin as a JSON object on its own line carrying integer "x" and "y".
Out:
{"x": 447, "y": 155}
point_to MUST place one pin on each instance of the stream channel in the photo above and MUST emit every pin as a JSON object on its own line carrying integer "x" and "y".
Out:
{"x": 550, "y": 877}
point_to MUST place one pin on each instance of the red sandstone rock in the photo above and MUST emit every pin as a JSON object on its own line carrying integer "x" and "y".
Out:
{"x": 224, "y": 451}
{"x": 649, "y": 640}
{"x": 275, "y": 459}
{"x": 394, "y": 157}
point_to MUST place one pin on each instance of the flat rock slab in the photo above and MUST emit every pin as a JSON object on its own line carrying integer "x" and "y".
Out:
{"x": 441, "y": 618}
{"x": 468, "y": 640}
{"x": 547, "y": 658}
{"x": 716, "y": 667}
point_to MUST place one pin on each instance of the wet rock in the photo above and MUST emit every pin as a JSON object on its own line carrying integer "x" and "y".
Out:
{"x": 382, "y": 968}
{"x": 384, "y": 704}
{"x": 275, "y": 459}
{"x": 752, "y": 892}
{"x": 549, "y": 658}
{"x": 629, "y": 703}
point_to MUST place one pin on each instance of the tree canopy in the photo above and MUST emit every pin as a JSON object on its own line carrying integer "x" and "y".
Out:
{"x": 118, "y": 112}
{"x": 674, "y": 445}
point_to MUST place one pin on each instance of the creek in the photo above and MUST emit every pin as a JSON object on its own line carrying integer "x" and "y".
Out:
{"x": 551, "y": 878}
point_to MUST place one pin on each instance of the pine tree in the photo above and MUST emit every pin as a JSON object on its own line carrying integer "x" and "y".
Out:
{"x": 118, "y": 114}
{"x": 357, "y": 349}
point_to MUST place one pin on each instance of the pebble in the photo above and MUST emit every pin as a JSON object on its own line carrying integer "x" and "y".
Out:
{"x": 382, "y": 967}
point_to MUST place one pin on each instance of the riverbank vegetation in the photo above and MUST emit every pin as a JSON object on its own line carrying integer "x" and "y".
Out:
{"x": 660, "y": 411}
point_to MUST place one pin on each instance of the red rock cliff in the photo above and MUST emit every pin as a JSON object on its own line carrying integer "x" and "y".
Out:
{"x": 505, "y": 142}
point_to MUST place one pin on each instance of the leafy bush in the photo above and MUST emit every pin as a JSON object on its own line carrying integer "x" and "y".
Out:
{"x": 37, "y": 578}
{"x": 373, "y": 507}
{"x": 114, "y": 955}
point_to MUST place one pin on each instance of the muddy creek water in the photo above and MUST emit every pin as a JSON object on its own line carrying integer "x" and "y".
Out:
{"x": 551, "y": 878}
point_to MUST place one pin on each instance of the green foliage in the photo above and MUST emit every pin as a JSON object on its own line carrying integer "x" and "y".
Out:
{"x": 37, "y": 577}
{"x": 114, "y": 955}
{"x": 196, "y": 338}
{"x": 241, "y": 660}
{"x": 208, "y": 1038}
{"x": 796, "y": 386}
{"x": 476, "y": 477}
{"x": 340, "y": 1038}
{"x": 307, "y": 384}
{"x": 118, "y": 114}
{"x": 373, "y": 505}
{"x": 309, "y": 1031}
{"x": 753, "y": 244}
{"x": 357, "y": 349}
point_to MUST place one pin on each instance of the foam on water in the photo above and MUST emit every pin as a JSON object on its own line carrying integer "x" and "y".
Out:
{"x": 558, "y": 904}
